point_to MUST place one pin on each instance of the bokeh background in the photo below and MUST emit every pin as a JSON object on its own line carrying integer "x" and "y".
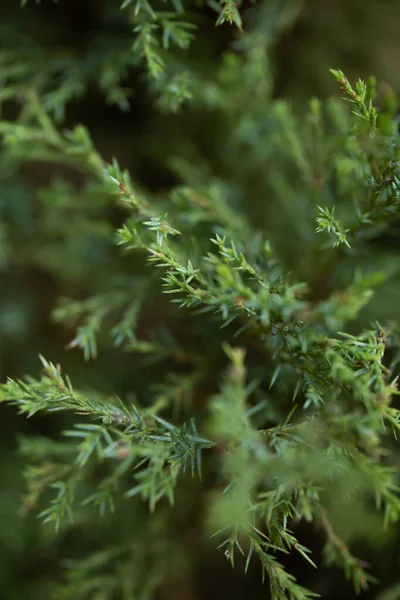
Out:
{"x": 49, "y": 251}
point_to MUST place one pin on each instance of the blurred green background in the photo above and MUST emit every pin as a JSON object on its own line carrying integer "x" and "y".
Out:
{"x": 53, "y": 249}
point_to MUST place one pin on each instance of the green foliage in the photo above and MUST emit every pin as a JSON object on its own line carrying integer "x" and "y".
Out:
{"x": 124, "y": 434}
{"x": 327, "y": 222}
{"x": 259, "y": 374}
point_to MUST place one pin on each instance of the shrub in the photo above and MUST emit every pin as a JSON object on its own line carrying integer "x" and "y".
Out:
{"x": 240, "y": 307}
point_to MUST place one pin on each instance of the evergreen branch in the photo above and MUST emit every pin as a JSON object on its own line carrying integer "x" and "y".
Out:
{"x": 124, "y": 434}
{"x": 362, "y": 96}
{"x": 337, "y": 553}
{"x": 327, "y": 222}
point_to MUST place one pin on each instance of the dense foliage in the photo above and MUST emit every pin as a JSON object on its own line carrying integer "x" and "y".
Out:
{"x": 222, "y": 293}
